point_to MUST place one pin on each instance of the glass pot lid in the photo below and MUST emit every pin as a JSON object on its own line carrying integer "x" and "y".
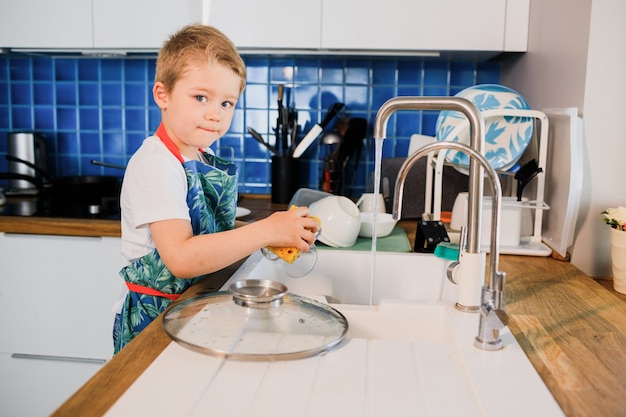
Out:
{"x": 255, "y": 320}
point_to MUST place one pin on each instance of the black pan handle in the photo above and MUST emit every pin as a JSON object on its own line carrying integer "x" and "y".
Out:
{"x": 37, "y": 169}
{"x": 13, "y": 176}
{"x": 106, "y": 164}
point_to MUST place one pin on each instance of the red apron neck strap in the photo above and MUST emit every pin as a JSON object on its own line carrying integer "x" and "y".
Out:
{"x": 169, "y": 144}
{"x": 165, "y": 138}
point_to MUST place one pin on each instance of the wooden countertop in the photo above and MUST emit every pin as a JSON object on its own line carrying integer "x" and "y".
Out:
{"x": 60, "y": 227}
{"x": 572, "y": 327}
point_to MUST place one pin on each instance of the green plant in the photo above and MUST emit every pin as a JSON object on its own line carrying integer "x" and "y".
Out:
{"x": 615, "y": 217}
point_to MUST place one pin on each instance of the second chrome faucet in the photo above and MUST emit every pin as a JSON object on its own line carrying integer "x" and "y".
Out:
{"x": 473, "y": 293}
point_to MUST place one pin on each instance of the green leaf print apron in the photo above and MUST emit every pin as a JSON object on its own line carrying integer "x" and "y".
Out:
{"x": 212, "y": 201}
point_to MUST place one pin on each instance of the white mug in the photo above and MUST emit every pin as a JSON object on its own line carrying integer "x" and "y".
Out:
{"x": 367, "y": 200}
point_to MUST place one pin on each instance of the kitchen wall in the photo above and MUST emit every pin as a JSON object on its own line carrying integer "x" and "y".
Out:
{"x": 604, "y": 109}
{"x": 102, "y": 108}
{"x": 576, "y": 58}
{"x": 552, "y": 73}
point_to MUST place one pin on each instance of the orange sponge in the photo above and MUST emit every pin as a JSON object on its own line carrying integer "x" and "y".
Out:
{"x": 289, "y": 254}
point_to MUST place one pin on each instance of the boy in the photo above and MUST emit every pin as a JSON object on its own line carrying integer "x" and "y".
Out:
{"x": 178, "y": 201}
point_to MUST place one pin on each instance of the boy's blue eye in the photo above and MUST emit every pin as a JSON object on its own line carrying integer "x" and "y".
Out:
{"x": 227, "y": 104}
{"x": 201, "y": 98}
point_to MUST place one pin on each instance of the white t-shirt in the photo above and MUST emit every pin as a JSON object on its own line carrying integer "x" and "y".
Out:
{"x": 154, "y": 188}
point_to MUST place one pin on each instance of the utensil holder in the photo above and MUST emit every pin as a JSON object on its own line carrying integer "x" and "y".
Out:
{"x": 332, "y": 176}
{"x": 285, "y": 178}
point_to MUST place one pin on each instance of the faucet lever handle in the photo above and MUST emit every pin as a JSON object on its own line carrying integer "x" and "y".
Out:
{"x": 497, "y": 318}
{"x": 451, "y": 271}
{"x": 491, "y": 309}
{"x": 463, "y": 239}
{"x": 498, "y": 282}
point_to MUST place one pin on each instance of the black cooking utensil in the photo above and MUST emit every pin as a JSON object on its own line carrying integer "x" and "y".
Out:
{"x": 315, "y": 131}
{"x": 333, "y": 111}
{"x": 36, "y": 181}
{"x": 353, "y": 138}
{"x": 526, "y": 173}
{"x": 257, "y": 136}
{"x": 106, "y": 164}
{"x": 282, "y": 123}
{"x": 350, "y": 148}
{"x": 40, "y": 171}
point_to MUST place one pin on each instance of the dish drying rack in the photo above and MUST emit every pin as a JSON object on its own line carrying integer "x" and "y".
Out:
{"x": 531, "y": 245}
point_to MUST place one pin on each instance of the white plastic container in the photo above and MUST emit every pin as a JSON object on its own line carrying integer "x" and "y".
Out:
{"x": 515, "y": 219}
{"x": 306, "y": 197}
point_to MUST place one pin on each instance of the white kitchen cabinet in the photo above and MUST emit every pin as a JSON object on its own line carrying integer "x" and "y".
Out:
{"x": 46, "y": 24}
{"x": 97, "y": 24}
{"x": 269, "y": 24}
{"x": 407, "y": 25}
{"x": 516, "y": 26}
{"x": 56, "y": 294}
{"x": 365, "y": 26}
{"x": 36, "y": 387}
{"x": 140, "y": 24}
{"x": 272, "y": 26}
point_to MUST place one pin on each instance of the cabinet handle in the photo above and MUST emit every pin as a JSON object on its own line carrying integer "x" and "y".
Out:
{"x": 58, "y": 358}
{"x": 65, "y": 237}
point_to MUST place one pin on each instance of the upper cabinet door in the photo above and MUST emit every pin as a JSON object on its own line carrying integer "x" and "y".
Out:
{"x": 282, "y": 26}
{"x": 410, "y": 25}
{"x": 269, "y": 24}
{"x": 54, "y": 24}
{"x": 141, "y": 24}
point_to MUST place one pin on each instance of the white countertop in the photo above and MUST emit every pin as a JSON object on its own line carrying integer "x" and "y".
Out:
{"x": 361, "y": 377}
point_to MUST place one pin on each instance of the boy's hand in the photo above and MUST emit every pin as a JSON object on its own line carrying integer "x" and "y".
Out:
{"x": 292, "y": 228}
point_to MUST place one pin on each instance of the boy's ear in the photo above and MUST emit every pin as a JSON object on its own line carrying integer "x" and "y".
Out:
{"x": 159, "y": 92}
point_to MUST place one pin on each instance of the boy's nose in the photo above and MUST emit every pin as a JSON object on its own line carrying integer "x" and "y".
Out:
{"x": 212, "y": 112}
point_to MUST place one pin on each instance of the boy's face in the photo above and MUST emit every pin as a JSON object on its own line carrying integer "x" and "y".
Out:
{"x": 199, "y": 108}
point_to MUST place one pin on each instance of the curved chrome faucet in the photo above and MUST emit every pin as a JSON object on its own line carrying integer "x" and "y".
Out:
{"x": 477, "y": 142}
{"x": 493, "y": 317}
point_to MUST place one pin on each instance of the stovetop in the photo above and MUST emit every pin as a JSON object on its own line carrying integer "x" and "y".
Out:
{"x": 49, "y": 207}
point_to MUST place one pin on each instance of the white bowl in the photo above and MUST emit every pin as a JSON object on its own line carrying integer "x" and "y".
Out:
{"x": 384, "y": 226}
{"x": 341, "y": 220}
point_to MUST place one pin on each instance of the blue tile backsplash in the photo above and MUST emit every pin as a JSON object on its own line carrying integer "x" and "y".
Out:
{"x": 102, "y": 109}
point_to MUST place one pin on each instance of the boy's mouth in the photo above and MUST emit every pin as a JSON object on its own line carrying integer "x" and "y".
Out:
{"x": 209, "y": 131}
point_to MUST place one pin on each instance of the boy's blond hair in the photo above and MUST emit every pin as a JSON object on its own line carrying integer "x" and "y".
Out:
{"x": 197, "y": 44}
